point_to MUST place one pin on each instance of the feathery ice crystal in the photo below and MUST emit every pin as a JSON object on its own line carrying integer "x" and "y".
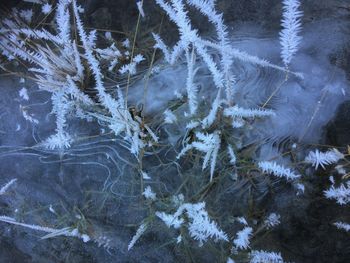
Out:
{"x": 318, "y": 158}
{"x": 199, "y": 224}
{"x": 341, "y": 194}
{"x": 242, "y": 240}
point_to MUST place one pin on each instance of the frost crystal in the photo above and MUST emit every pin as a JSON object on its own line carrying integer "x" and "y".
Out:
{"x": 199, "y": 224}
{"x": 272, "y": 220}
{"x": 169, "y": 116}
{"x": 261, "y": 256}
{"x": 318, "y": 158}
{"x": 231, "y": 154}
{"x": 242, "y": 220}
{"x": 23, "y": 93}
{"x": 242, "y": 240}
{"x": 208, "y": 144}
{"x": 343, "y": 226}
{"x": 27, "y": 15}
{"x": 341, "y": 193}
{"x": 277, "y": 170}
{"x": 170, "y": 220}
{"x": 46, "y": 8}
{"x": 149, "y": 194}
{"x": 140, "y": 8}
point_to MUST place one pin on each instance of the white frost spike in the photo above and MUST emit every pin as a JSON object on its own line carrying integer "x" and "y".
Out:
{"x": 149, "y": 194}
{"x": 145, "y": 176}
{"x": 169, "y": 116}
{"x": 7, "y": 186}
{"x": 318, "y": 158}
{"x": 261, "y": 256}
{"x": 142, "y": 228}
{"x": 178, "y": 239}
{"x": 242, "y": 239}
{"x": 140, "y": 8}
{"x": 343, "y": 226}
{"x": 341, "y": 193}
{"x": 277, "y": 170}
{"x": 289, "y": 38}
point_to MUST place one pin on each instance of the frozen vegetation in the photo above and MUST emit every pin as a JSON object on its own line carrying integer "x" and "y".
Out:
{"x": 183, "y": 139}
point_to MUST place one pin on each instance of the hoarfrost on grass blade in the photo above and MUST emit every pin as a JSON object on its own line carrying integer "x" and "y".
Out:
{"x": 318, "y": 158}
{"x": 52, "y": 232}
{"x": 140, "y": 8}
{"x": 142, "y": 228}
{"x": 7, "y": 186}
{"x": 289, "y": 38}
{"x": 232, "y": 155}
{"x": 277, "y": 170}
{"x": 236, "y": 111}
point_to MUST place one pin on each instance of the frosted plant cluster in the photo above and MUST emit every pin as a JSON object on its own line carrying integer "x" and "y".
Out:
{"x": 67, "y": 63}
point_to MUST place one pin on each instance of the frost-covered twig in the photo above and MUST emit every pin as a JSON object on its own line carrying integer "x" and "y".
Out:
{"x": 142, "y": 228}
